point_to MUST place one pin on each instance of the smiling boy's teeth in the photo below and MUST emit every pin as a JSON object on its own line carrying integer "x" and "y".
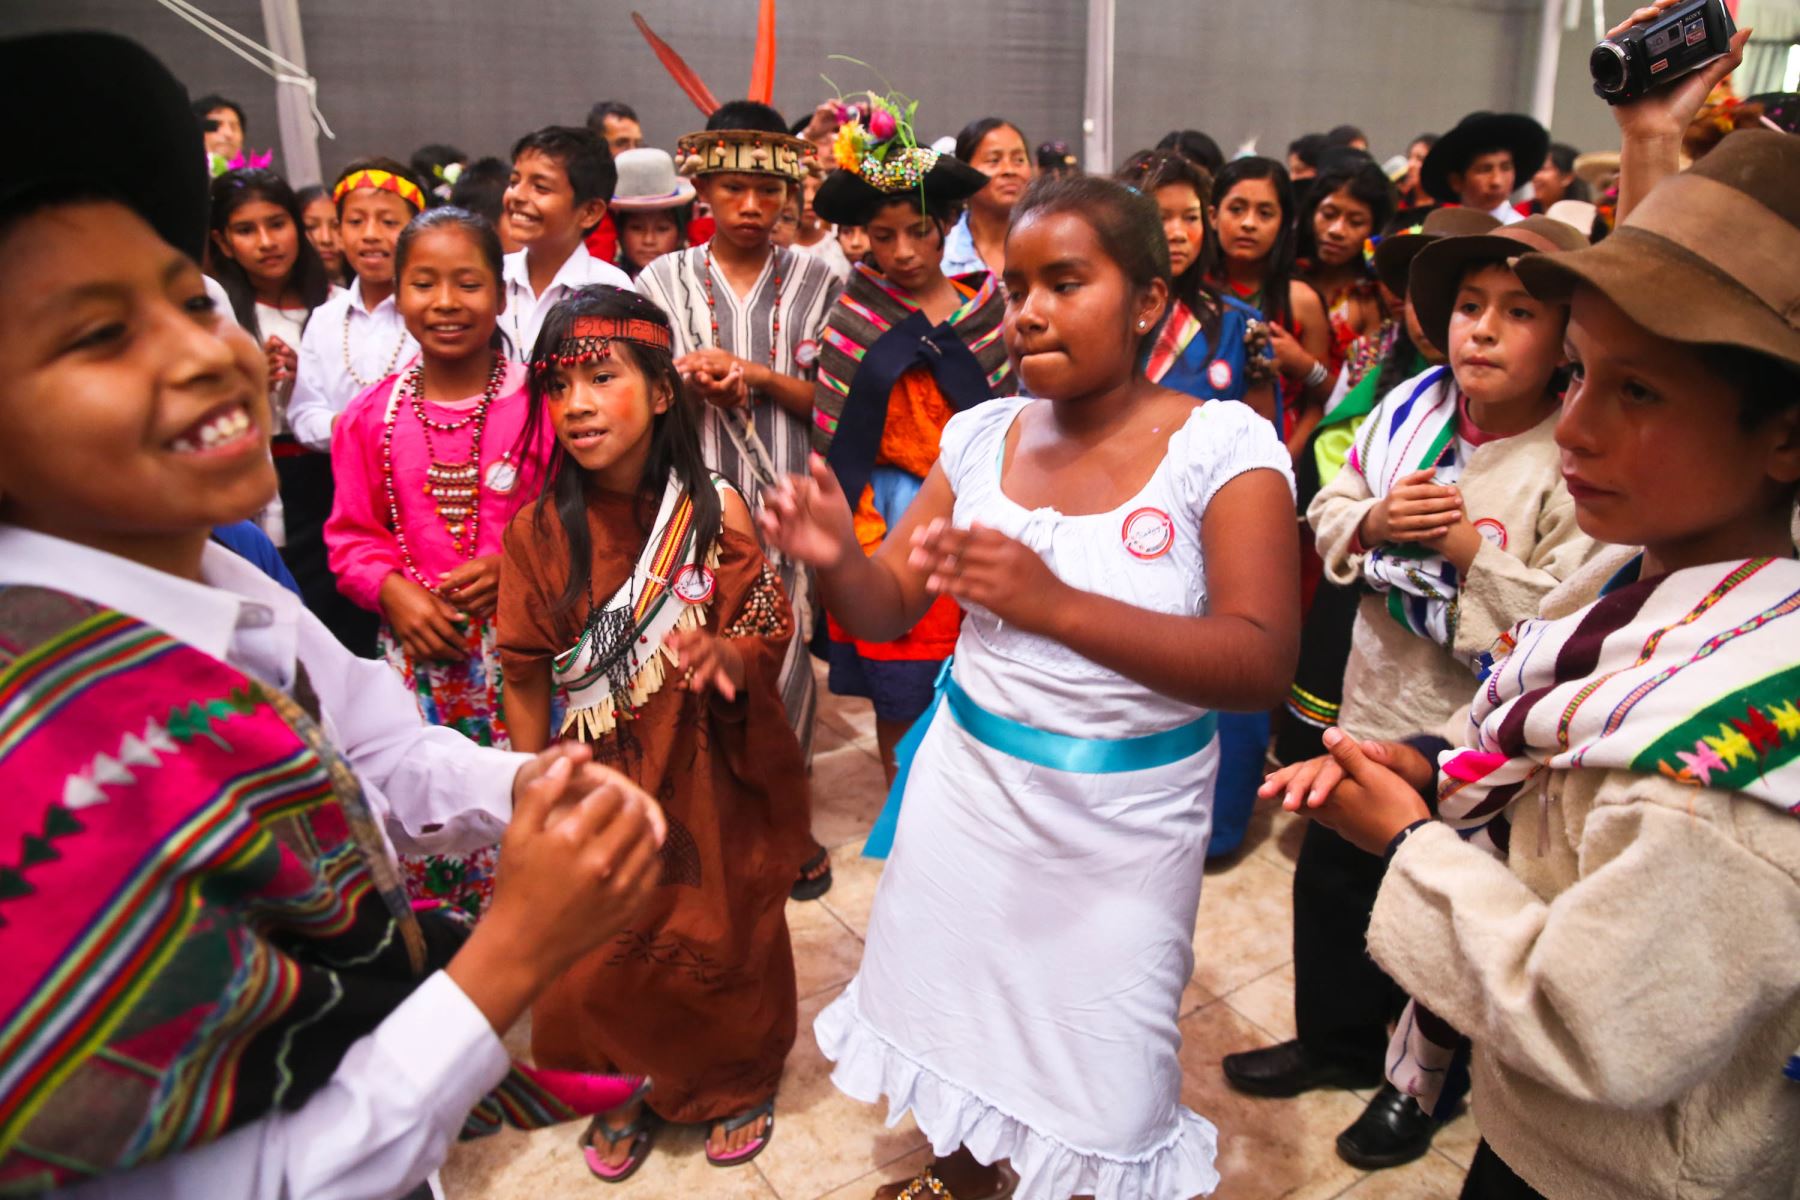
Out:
{"x": 222, "y": 428}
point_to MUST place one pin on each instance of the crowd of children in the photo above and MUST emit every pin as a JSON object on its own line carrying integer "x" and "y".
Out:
{"x": 410, "y": 593}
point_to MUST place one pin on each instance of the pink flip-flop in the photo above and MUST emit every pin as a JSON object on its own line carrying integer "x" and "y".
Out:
{"x": 642, "y": 1134}
{"x": 733, "y": 1124}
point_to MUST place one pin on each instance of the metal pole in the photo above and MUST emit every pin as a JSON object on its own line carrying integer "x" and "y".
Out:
{"x": 299, "y": 133}
{"x": 1097, "y": 122}
{"x": 1550, "y": 35}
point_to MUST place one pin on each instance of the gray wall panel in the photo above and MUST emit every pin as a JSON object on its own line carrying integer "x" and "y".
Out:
{"x": 395, "y": 74}
{"x": 1274, "y": 69}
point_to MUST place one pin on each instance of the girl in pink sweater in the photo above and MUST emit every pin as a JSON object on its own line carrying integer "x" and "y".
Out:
{"x": 430, "y": 466}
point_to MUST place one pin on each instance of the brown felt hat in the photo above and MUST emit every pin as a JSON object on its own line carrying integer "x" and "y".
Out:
{"x": 1394, "y": 256}
{"x": 1708, "y": 256}
{"x": 1437, "y": 270}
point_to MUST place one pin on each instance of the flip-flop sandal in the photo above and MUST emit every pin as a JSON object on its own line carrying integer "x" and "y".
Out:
{"x": 641, "y": 1132}
{"x": 927, "y": 1186}
{"x": 743, "y": 1119}
{"x": 811, "y": 886}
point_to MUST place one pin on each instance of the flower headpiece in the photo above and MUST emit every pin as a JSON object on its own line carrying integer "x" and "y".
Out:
{"x": 883, "y": 151}
{"x": 590, "y": 339}
{"x": 219, "y": 164}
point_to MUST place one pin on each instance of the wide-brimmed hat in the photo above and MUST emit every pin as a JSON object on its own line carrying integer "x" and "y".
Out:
{"x": 1597, "y": 168}
{"x": 746, "y": 152}
{"x": 1395, "y": 253}
{"x": 648, "y": 182}
{"x": 1478, "y": 133}
{"x": 1437, "y": 270}
{"x": 1707, "y": 257}
{"x": 847, "y": 198}
{"x": 147, "y": 152}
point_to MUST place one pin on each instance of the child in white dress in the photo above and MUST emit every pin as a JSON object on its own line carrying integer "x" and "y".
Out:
{"x": 1126, "y": 558}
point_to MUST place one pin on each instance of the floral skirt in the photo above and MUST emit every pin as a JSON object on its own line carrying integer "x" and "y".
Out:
{"x": 465, "y": 696}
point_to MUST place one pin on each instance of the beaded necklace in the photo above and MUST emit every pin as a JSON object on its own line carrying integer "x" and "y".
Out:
{"x": 455, "y": 488}
{"x": 361, "y": 383}
{"x": 712, "y": 307}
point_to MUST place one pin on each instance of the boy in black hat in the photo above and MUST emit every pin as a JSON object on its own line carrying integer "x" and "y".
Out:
{"x": 1479, "y": 163}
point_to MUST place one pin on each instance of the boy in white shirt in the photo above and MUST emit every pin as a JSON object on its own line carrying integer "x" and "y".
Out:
{"x": 562, "y": 180}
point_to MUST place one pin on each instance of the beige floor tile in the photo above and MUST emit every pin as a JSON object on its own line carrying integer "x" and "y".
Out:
{"x": 1194, "y": 997}
{"x": 1430, "y": 1178}
{"x": 546, "y": 1164}
{"x": 1268, "y": 1002}
{"x": 853, "y": 883}
{"x": 1281, "y": 843}
{"x": 1246, "y": 925}
{"x": 825, "y": 952}
{"x": 848, "y": 790}
{"x": 1267, "y": 1148}
{"x": 850, "y": 715}
{"x": 904, "y": 1167}
{"x": 1457, "y": 1140}
{"x": 825, "y": 1139}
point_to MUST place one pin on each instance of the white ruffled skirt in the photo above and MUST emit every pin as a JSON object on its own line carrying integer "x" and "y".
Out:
{"x": 1027, "y": 953}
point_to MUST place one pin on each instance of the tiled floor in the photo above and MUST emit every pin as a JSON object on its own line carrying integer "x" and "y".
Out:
{"x": 828, "y": 1147}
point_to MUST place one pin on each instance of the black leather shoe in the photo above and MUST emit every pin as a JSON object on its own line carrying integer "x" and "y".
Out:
{"x": 1286, "y": 1069}
{"x": 1392, "y": 1130}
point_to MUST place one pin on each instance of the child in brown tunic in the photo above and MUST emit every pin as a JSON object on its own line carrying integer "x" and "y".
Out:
{"x": 635, "y": 592}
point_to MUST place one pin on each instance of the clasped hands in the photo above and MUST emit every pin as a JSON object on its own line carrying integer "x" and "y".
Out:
{"x": 1366, "y": 792}
{"x": 720, "y": 379}
{"x": 1419, "y": 509}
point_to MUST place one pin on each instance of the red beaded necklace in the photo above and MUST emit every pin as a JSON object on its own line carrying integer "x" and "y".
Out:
{"x": 712, "y": 307}
{"x": 455, "y": 488}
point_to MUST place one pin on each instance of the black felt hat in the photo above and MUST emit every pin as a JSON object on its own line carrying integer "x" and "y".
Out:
{"x": 97, "y": 114}
{"x": 847, "y": 198}
{"x": 1478, "y": 133}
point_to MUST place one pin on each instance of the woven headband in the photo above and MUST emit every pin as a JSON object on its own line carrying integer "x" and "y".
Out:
{"x": 381, "y": 181}
{"x": 591, "y": 339}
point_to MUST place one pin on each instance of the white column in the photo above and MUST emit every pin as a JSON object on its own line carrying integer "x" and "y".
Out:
{"x": 1097, "y": 110}
{"x": 1550, "y": 36}
{"x": 299, "y": 133}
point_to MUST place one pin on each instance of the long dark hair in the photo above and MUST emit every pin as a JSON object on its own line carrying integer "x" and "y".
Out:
{"x": 478, "y": 229}
{"x": 1368, "y": 185}
{"x": 1278, "y": 270}
{"x": 674, "y": 435}
{"x": 1145, "y": 172}
{"x": 230, "y": 192}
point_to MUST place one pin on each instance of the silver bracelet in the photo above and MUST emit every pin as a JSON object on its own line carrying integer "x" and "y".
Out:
{"x": 1316, "y": 376}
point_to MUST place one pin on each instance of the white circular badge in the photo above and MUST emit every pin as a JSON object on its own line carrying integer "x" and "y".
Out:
{"x": 693, "y": 583}
{"x": 1219, "y": 375}
{"x": 1493, "y": 531}
{"x": 1148, "y": 533}
{"x": 502, "y": 477}
{"x": 806, "y": 354}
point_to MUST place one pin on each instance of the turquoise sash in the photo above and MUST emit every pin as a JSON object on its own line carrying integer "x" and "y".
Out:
{"x": 1058, "y": 751}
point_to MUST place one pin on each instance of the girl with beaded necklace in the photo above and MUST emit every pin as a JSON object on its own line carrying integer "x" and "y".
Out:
{"x": 430, "y": 464}
{"x": 635, "y": 589}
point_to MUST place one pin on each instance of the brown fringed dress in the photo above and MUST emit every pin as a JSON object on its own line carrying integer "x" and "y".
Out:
{"x": 698, "y": 993}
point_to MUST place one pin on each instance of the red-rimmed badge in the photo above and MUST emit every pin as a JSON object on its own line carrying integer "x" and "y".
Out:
{"x": 693, "y": 583}
{"x": 1219, "y": 375}
{"x": 1148, "y": 533}
{"x": 806, "y": 354}
{"x": 1493, "y": 531}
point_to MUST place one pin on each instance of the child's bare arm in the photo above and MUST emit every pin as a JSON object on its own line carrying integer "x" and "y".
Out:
{"x": 876, "y": 599}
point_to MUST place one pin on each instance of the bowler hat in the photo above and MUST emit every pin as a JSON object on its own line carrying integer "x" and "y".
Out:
{"x": 1394, "y": 256}
{"x": 647, "y": 182}
{"x": 1437, "y": 270}
{"x": 1707, "y": 257}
